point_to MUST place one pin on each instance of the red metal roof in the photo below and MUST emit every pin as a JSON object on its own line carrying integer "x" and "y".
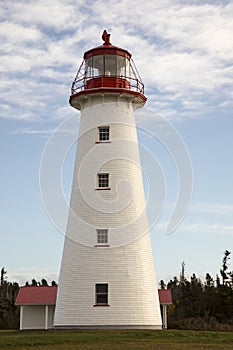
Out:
{"x": 165, "y": 296}
{"x": 106, "y": 48}
{"x": 47, "y": 295}
{"x": 37, "y": 295}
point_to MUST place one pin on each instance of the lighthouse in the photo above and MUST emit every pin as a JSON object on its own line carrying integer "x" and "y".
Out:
{"x": 107, "y": 278}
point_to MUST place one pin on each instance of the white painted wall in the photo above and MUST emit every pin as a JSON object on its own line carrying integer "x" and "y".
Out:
{"x": 34, "y": 316}
{"x": 127, "y": 265}
{"x": 51, "y": 311}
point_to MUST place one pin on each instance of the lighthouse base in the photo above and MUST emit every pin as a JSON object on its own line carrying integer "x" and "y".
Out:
{"x": 155, "y": 327}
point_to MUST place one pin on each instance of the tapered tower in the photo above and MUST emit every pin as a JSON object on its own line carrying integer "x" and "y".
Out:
{"x": 107, "y": 277}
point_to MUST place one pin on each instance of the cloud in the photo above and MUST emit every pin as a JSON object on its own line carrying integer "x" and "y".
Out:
{"x": 207, "y": 228}
{"x": 59, "y": 15}
{"x": 26, "y": 275}
{"x": 212, "y": 208}
{"x": 203, "y": 218}
{"x": 29, "y": 131}
{"x": 199, "y": 227}
{"x": 15, "y": 32}
{"x": 183, "y": 51}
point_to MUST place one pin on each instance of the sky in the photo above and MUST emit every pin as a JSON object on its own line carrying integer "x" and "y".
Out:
{"x": 184, "y": 53}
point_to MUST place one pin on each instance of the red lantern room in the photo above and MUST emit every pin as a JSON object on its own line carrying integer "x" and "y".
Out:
{"x": 107, "y": 68}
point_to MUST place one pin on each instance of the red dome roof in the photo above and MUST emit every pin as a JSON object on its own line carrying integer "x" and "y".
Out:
{"x": 106, "y": 48}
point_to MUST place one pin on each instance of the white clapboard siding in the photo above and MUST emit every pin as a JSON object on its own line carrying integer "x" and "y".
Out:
{"x": 126, "y": 265}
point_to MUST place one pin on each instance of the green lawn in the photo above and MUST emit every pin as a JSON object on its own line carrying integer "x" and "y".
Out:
{"x": 115, "y": 340}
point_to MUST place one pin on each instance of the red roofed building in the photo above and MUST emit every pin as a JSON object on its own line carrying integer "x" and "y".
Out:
{"x": 37, "y": 306}
{"x": 165, "y": 299}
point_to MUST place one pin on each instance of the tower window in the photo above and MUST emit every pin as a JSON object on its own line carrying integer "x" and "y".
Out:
{"x": 102, "y": 236}
{"x": 103, "y": 180}
{"x": 104, "y": 133}
{"x": 101, "y": 294}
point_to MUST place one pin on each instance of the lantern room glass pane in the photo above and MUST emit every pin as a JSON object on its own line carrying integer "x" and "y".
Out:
{"x": 94, "y": 66}
{"x": 110, "y": 65}
{"x": 127, "y": 68}
{"x": 98, "y": 65}
{"x": 121, "y": 66}
{"x": 107, "y": 65}
{"x": 88, "y": 68}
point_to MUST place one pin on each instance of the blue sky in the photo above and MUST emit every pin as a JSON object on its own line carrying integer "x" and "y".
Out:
{"x": 183, "y": 51}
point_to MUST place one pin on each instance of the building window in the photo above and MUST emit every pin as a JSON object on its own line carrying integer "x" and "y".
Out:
{"x": 102, "y": 236}
{"x": 101, "y": 294}
{"x": 104, "y": 133}
{"x": 103, "y": 180}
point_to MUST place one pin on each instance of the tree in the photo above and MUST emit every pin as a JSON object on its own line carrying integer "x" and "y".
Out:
{"x": 209, "y": 282}
{"x": 162, "y": 284}
{"x": 218, "y": 280}
{"x": 9, "y": 313}
{"x": 231, "y": 279}
{"x": 3, "y": 273}
{"x": 44, "y": 282}
{"x": 223, "y": 271}
{"x": 34, "y": 282}
{"x": 182, "y": 275}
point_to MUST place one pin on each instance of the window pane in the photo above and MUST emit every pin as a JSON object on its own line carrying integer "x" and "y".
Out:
{"x": 88, "y": 68}
{"x": 102, "y": 299}
{"x": 104, "y": 133}
{"x": 102, "y": 288}
{"x": 102, "y": 236}
{"x": 103, "y": 180}
{"x": 127, "y": 66}
{"x": 110, "y": 65}
{"x": 101, "y": 291}
{"x": 98, "y": 65}
{"x": 121, "y": 66}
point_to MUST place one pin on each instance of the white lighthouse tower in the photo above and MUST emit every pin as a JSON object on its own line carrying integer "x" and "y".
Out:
{"x": 107, "y": 277}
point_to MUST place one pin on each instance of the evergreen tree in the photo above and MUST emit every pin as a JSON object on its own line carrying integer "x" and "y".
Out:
{"x": 34, "y": 282}
{"x": 3, "y": 273}
{"x": 162, "y": 284}
{"x": 9, "y": 313}
{"x": 224, "y": 269}
{"x": 44, "y": 282}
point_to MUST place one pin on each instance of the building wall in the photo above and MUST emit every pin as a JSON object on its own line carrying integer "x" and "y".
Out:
{"x": 133, "y": 298}
{"x": 34, "y": 316}
{"x": 127, "y": 264}
{"x": 51, "y": 311}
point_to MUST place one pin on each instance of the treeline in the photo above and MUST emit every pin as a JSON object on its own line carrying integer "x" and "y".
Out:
{"x": 43, "y": 282}
{"x": 9, "y": 313}
{"x": 202, "y": 305}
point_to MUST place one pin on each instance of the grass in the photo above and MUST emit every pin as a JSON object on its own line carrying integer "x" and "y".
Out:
{"x": 115, "y": 340}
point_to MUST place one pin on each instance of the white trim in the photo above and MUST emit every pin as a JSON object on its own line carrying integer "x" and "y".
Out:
{"x": 164, "y": 316}
{"x": 46, "y": 316}
{"x": 21, "y": 318}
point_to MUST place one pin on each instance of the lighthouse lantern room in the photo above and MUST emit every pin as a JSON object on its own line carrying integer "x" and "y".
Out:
{"x": 107, "y": 277}
{"x": 107, "y": 67}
